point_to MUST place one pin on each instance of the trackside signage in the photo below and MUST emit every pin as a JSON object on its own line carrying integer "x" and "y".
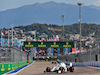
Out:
{"x": 42, "y": 45}
{"x": 29, "y": 45}
{"x": 67, "y": 45}
{"x": 48, "y": 44}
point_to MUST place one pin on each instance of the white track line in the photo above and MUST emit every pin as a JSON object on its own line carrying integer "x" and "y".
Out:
{"x": 94, "y": 67}
{"x": 24, "y": 68}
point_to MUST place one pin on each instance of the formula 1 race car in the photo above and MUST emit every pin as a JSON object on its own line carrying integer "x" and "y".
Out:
{"x": 60, "y": 68}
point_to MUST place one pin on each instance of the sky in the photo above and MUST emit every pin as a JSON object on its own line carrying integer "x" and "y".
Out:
{"x": 10, "y": 4}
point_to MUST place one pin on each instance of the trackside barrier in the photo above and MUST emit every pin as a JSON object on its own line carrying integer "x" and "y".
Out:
{"x": 91, "y": 63}
{"x": 6, "y": 67}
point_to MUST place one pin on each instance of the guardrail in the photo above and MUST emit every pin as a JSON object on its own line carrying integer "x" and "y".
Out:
{"x": 83, "y": 64}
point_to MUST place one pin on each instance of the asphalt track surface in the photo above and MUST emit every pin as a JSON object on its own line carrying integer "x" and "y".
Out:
{"x": 38, "y": 68}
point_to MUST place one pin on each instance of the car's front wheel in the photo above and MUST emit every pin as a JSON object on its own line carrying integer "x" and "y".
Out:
{"x": 48, "y": 69}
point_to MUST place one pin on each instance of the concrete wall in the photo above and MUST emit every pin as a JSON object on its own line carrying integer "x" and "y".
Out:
{"x": 18, "y": 55}
{"x": 90, "y": 55}
{"x": 13, "y": 55}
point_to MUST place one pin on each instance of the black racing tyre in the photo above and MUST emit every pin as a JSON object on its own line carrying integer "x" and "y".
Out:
{"x": 71, "y": 69}
{"x": 62, "y": 69}
{"x": 48, "y": 69}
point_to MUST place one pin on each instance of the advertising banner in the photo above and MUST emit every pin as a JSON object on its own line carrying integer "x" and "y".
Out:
{"x": 68, "y": 50}
{"x": 48, "y": 44}
{"x": 49, "y": 52}
{"x": 65, "y": 51}
{"x": 52, "y": 51}
{"x": 58, "y": 51}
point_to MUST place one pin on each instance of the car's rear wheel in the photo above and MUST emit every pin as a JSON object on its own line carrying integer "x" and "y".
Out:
{"x": 71, "y": 69}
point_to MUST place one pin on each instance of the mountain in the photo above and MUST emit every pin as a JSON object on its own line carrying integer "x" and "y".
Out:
{"x": 57, "y": 30}
{"x": 52, "y": 30}
{"x": 48, "y": 13}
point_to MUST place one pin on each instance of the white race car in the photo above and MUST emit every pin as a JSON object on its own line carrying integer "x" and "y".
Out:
{"x": 60, "y": 68}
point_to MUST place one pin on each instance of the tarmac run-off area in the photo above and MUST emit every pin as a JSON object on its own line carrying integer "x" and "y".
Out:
{"x": 38, "y": 68}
